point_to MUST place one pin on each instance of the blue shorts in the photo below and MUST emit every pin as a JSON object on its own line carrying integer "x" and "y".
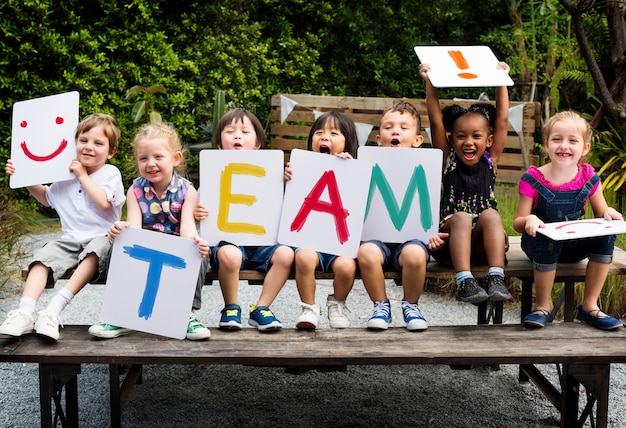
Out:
{"x": 256, "y": 258}
{"x": 391, "y": 252}
{"x": 325, "y": 260}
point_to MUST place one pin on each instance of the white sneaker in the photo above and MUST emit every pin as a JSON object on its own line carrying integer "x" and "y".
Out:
{"x": 48, "y": 325}
{"x": 196, "y": 330}
{"x": 17, "y": 324}
{"x": 310, "y": 317}
{"x": 337, "y": 312}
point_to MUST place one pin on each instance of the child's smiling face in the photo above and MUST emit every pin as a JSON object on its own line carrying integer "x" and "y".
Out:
{"x": 239, "y": 135}
{"x": 471, "y": 136}
{"x": 566, "y": 144}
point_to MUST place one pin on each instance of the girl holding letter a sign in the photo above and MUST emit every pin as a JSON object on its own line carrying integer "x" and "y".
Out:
{"x": 559, "y": 191}
{"x": 335, "y": 134}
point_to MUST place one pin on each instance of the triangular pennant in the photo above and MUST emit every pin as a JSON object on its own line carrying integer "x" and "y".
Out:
{"x": 317, "y": 114}
{"x": 286, "y": 107}
{"x": 363, "y": 131}
{"x": 430, "y": 137}
{"x": 516, "y": 117}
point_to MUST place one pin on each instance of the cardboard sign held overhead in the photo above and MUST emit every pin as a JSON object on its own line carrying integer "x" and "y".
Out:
{"x": 243, "y": 192}
{"x": 42, "y": 139}
{"x": 151, "y": 282}
{"x": 462, "y": 66}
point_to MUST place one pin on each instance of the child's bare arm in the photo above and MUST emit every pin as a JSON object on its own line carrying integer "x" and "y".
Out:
{"x": 524, "y": 220}
{"x": 600, "y": 207}
{"x": 188, "y": 224}
{"x": 96, "y": 194}
{"x": 435, "y": 116}
{"x": 501, "y": 125}
{"x": 38, "y": 191}
{"x": 133, "y": 216}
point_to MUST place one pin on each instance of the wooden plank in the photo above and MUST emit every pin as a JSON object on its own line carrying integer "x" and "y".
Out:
{"x": 449, "y": 345}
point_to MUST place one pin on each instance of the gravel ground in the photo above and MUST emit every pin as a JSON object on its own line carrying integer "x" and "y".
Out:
{"x": 363, "y": 396}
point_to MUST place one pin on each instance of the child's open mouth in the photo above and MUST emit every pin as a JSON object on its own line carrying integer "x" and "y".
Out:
{"x": 395, "y": 142}
{"x": 325, "y": 150}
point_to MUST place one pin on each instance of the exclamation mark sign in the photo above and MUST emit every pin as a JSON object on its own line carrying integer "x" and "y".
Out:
{"x": 461, "y": 64}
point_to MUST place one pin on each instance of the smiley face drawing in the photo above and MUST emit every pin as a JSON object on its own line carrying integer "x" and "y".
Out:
{"x": 42, "y": 140}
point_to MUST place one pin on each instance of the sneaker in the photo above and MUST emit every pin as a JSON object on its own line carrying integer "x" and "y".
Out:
{"x": 606, "y": 322}
{"x": 496, "y": 288}
{"x": 309, "y": 318}
{"x": 263, "y": 319}
{"x": 337, "y": 312}
{"x": 17, "y": 324}
{"x": 231, "y": 318}
{"x": 108, "y": 331}
{"x": 469, "y": 291}
{"x": 381, "y": 317}
{"x": 196, "y": 330}
{"x": 413, "y": 317}
{"x": 48, "y": 325}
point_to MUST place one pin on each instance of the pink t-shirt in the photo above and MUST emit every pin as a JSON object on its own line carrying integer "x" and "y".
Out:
{"x": 585, "y": 172}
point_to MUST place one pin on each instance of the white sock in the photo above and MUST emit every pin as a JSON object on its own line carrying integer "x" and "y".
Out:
{"x": 27, "y": 305}
{"x": 60, "y": 301}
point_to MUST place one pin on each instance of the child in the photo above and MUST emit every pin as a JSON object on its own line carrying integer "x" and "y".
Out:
{"x": 558, "y": 191}
{"x": 86, "y": 205}
{"x": 163, "y": 201}
{"x": 468, "y": 204}
{"x": 239, "y": 129}
{"x": 400, "y": 126}
{"x": 333, "y": 133}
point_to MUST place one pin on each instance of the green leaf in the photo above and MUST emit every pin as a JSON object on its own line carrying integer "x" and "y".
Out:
{"x": 139, "y": 110}
{"x": 156, "y": 89}
{"x": 134, "y": 91}
{"x": 155, "y": 117}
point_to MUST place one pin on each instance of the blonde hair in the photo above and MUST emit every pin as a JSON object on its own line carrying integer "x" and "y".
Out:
{"x": 108, "y": 124}
{"x": 580, "y": 122}
{"x": 166, "y": 132}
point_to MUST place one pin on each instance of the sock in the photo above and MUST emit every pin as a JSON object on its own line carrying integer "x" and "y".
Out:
{"x": 27, "y": 305}
{"x": 60, "y": 301}
{"x": 460, "y": 276}
{"x": 496, "y": 271}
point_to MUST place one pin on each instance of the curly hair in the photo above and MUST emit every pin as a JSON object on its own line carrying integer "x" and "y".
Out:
{"x": 453, "y": 112}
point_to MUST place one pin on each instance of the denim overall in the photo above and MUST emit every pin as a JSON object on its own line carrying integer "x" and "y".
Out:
{"x": 563, "y": 205}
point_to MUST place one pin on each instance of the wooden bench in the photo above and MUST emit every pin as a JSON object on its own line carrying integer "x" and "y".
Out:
{"x": 519, "y": 152}
{"x": 583, "y": 353}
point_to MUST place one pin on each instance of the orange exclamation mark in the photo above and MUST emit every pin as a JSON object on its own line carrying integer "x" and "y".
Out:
{"x": 460, "y": 62}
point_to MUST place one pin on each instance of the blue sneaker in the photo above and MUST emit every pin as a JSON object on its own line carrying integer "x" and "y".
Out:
{"x": 231, "y": 318}
{"x": 606, "y": 322}
{"x": 413, "y": 317}
{"x": 537, "y": 318}
{"x": 263, "y": 319}
{"x": 381, "y": 317}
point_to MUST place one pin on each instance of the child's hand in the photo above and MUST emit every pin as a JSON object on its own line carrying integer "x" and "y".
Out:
{"x": 503, "y": 66}
{"x": 9, "y": 167}
{"x": 78, "y": 169}
{"x": 200, "y": 212}
{"x": 203, "y": 246}
{"x": 424, "y": 69}
{"x": 117, "y": 228}
{"x": 288, "y": 172}
{"x": 437, "y": 242}
{"x": 612, "y": 214}
{"x": 344, "y": 155}
{"x": 532, "y": 224}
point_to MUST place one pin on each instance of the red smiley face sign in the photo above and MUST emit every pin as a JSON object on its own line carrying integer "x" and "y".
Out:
{"x": 42, "y": 143}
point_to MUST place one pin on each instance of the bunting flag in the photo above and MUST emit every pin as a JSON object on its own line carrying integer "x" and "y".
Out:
{"x": 317, "y": 114}
{"x": 286, "y": 107}
{"x": 516, "y": 117}
{"x": 430, "y": 137}
{"x": 363, "y": 132}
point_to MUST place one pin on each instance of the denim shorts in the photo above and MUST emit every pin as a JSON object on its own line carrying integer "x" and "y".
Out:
{"x": 325, "y": 260}
{"x": 256, "y": 258}
{"x": 545, "y": 253}
{"x": 391, "y": 252}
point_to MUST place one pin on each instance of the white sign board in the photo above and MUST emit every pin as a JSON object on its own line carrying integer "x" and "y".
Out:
{"x": 325, "y": 203}
{"x": 587, "y": 228}
{"x": 404, "y": 193}
{"x": 42, "y": 139}
{"x": 151, "y": 282}
{"x": 243, "y": 192}
{"x": 462, "y": 66}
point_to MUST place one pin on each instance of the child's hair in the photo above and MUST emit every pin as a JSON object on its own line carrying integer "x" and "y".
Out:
{"x": 167, "y": 133}
{"x": 405, "y": 107}
{"x": 453, "y": 112}
{"x": 108, "y": 124}
{"x": 584, "y": 127}
{"x": 238, "y": 115}
{"x": 341, "y": 122}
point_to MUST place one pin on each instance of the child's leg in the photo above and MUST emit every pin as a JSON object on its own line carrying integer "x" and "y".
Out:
{"x": 488, "y": 239}
{"x": 344, "y": 269}
{"x": 413, "y": 262}
{"x": 544, "y": 280}
{"x": 594, "y": 281}
{"x": 36, "y": 281}
{"x": 459, "y": 226}
{"x": 276, "y": 276}
{"x": 306, "y": 263}
{"x": 229, "y": 258}
{"x": 370, "y": 259}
